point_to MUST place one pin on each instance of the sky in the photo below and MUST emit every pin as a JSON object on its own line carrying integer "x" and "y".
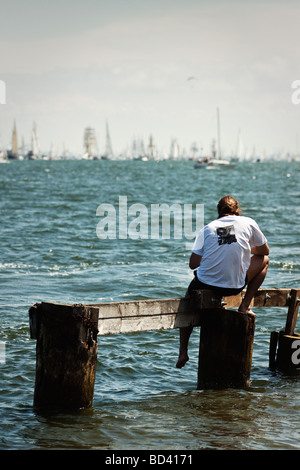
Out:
{"x": 151, "y": 67}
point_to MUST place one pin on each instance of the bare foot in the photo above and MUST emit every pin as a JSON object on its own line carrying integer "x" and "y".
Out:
{"x": 182, "y": 360}
{"x": 247, "y": 311}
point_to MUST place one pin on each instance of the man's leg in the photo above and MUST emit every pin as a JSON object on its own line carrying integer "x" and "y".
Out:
{"x": 184, "y": 336}
{"x": 256, "y": 274}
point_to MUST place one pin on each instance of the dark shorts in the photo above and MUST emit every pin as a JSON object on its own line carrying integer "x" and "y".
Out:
{"x": 222, "y": 291}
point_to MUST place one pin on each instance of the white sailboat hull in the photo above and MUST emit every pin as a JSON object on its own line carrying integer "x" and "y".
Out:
{"x": 215, "y": 163}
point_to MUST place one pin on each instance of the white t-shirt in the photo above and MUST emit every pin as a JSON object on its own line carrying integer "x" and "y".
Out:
{"x": 225, "y": 246}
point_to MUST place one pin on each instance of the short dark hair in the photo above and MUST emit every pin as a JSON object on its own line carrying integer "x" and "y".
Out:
{"x": 228, "y": 206}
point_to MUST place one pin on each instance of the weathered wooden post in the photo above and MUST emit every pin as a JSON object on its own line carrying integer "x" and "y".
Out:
{"x": 225, "y": 352}
{"x": 66, "y": 354}
{"x": 287, "y": 358}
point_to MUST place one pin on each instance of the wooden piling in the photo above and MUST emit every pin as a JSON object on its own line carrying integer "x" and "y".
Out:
{"x": 66, "y": 355}
{"x": 288, "y": 353}
{"x": 291, "y": 319}
{"x": 287, "y": 341}
{"x": 225, "y": 352}
{"x": 273, "y": 349}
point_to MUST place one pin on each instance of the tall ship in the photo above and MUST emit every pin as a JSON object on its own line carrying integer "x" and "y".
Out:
{"x": 90, "y": 144}
{"x": 174, "y": 150}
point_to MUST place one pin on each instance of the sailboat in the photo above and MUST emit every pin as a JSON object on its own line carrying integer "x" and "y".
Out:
{"x": 34, "y": 153}
{"x": 13, "y": 153}
{"x": 204, "y": 162}
{"x": 138, "y": 150}
{"x": 174, "y": 150}
{"x": 3, "y": 157}
{"x": 216, "y": 160}
{"x": 151, "y": 149}
{"x": 108, "y": 154}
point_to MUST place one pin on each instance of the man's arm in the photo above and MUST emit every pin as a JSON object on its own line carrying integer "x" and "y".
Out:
{"x": 260, "y": 250}
{"x": 195, "y": 261}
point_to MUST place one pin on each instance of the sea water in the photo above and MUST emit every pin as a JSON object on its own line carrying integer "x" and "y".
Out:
{"x": 50, "y": 251}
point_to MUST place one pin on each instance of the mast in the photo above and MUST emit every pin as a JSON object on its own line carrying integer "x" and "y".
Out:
{"x": 35, "y": 142}
{"x": 151, "y": 147}
{"x": 13, "y": 152}
{"x": 14, "y": 144}
{"x": 194, "y": 150}
{"x": 213, "y": 149}
{"x": 238, "y": 144}
{"x": 219, "y": 133}
{"x": 108, "y": 148}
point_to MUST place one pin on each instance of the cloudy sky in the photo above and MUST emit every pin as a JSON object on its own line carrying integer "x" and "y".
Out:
{"x": 159, "y": 67}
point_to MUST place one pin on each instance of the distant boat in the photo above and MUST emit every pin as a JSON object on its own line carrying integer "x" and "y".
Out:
{"x": 13, "y": 153}
{"x": 108, "y": 154}
{"x": 221, "y": 161}
{"x": 202, "y": 162}
{"x": 138, "y": 150}
{"x": 34, "y": 153}
{"x": 151, "y": 149}
{"x": 3, "y": 157}
{"x": 90, "y": 145}
{"x": 174, "y": 150}
{"x": 215, "y": 161}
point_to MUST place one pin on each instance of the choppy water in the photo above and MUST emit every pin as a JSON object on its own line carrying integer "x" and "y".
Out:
{"x": 50, "y": 252}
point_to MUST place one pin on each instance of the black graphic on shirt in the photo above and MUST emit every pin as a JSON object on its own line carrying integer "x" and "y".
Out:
{"x": 226, "y": 235}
